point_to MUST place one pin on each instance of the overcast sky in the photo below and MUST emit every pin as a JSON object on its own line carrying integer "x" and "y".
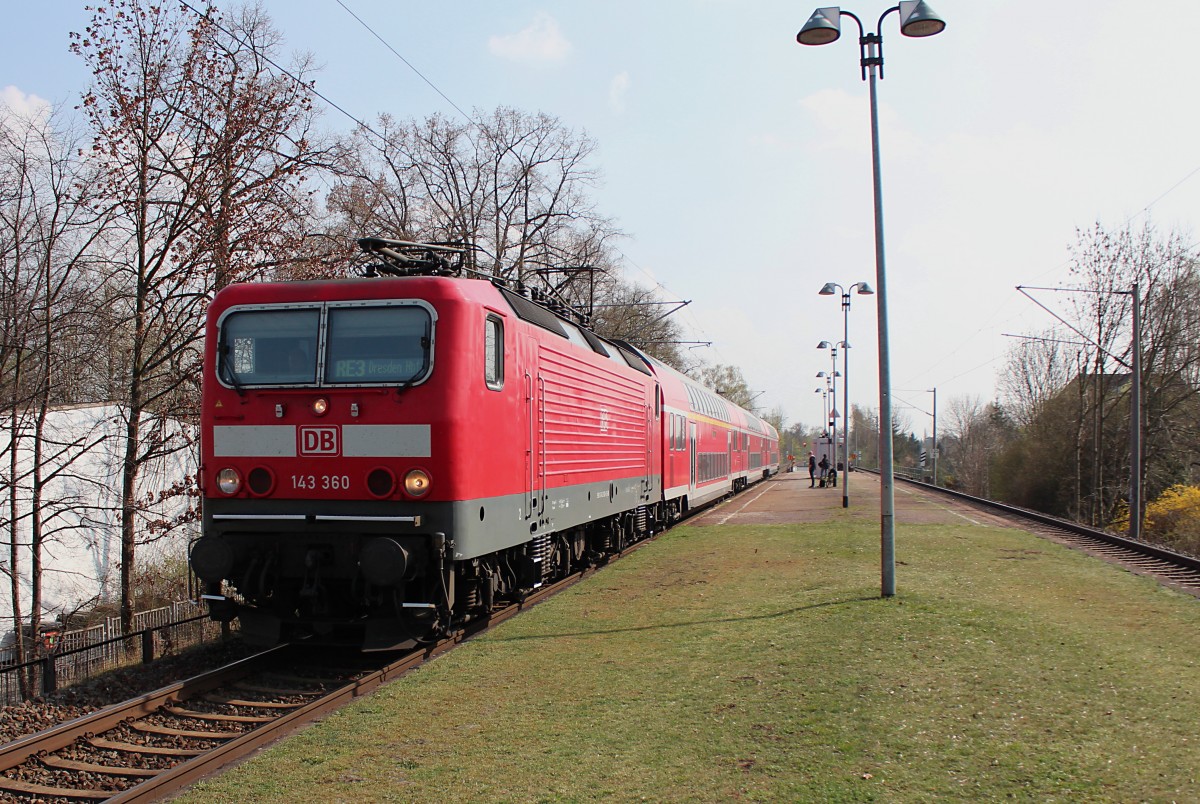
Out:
{"x": 739, "y": 164}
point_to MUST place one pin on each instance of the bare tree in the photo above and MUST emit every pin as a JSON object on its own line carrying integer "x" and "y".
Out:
{"x": 48, "y": 222}
{"x": 1109, "y": 263}
{"x": 260, "y": 148}
{"x": 1038, "y": 368}
{"x": 515, "y": 187}
{"x": 971, "y": 440}
{"x": 203, "y": 149}
{"x": 512, "y": 184}
{"x": 727, "y": 381}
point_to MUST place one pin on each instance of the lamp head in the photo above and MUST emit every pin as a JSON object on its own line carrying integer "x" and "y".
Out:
{"x": 823, "y": 27}
{"x": 918, "y": 19}
{"x": 865, "y": 290}
{"x": 824, "y": 345}
{"x": 820, "y": 374}
{"x": 829, "y": 290}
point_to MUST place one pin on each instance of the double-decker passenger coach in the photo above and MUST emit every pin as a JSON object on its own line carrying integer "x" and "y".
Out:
{"x": 384, "y": 458}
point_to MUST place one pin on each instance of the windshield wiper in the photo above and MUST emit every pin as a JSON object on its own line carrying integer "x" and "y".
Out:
{"x": 225, "y": 369}
{"x": 426, "y": 343}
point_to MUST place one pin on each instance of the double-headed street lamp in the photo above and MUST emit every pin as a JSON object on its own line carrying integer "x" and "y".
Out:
{"x": 830, "y": 289}
{"x": 917, "y": 19}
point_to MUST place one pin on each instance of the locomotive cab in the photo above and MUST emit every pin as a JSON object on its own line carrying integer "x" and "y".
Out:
{"x": 385, "y": 458}
{"x": 316, "y": 468}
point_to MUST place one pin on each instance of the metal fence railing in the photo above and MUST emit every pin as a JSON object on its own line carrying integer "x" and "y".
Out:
{"x": 79, "y": 655}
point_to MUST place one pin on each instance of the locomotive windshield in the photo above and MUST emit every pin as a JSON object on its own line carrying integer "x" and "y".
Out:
{"x": 349, "y": 344}
{"x": 377, "y": 344}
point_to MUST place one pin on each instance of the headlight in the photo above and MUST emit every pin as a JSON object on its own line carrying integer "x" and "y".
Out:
{"x": 320, "y": 406}
{"x": 416, "y": 483}
{"x": 229, "y": 481}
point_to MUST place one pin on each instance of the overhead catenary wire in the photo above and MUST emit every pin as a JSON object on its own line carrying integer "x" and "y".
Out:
{"x": 1129, "y": 219}
{"x": 308, "y": 87}
{"x": 1067, "y": 324}
{"x": 407, "y": 63}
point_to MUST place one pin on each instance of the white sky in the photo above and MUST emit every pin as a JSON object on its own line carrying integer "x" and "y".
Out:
{"x": 738, "y": 162}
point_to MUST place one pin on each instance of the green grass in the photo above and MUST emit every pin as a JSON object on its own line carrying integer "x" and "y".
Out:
{"x": 759, "y": 663}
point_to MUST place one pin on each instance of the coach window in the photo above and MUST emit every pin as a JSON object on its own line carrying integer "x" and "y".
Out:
{"x": 493, "y": 353}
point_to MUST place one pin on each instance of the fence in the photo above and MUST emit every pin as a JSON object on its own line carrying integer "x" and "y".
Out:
{"x": 79, "y": 655}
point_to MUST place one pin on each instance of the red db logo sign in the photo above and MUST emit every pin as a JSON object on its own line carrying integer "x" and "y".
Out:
{"x": 318, "y": 440}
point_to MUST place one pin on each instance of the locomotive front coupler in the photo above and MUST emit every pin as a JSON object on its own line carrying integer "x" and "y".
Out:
{"x": 220, "y": 608}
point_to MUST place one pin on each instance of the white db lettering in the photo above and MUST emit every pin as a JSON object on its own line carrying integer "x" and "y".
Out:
{"x": 318, "y": 441}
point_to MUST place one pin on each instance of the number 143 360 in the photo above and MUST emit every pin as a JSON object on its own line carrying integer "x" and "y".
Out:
{"x": 321, "y": 482}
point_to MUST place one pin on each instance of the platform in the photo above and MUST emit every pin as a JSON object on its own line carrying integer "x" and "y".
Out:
{"x": 788, "y": 499}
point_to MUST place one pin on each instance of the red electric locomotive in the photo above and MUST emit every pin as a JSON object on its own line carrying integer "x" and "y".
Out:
{"x": 385, "y": 458}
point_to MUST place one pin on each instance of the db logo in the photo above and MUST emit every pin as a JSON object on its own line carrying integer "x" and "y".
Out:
{"x": 318, "y": 440}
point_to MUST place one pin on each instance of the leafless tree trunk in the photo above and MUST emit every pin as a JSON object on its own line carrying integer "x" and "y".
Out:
{"x": 204, "y": 149}
{"x": 48, "y": 222}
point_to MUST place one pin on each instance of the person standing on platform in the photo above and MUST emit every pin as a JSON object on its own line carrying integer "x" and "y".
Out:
{"x": 812, "y": 471}
{"x": 824, "y": 467}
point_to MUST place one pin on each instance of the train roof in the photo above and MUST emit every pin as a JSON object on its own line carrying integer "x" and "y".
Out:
{"x": 705, "y": 400}
{"x": 418, "y": 268}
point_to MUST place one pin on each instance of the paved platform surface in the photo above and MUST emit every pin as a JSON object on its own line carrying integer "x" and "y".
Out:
{"x": 788, "y": 499}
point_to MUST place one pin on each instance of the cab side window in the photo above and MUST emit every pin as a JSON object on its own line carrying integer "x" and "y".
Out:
{"x": 493, "y": 353}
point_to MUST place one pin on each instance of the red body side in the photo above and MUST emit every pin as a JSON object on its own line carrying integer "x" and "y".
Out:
{"x": 563, "y": 415}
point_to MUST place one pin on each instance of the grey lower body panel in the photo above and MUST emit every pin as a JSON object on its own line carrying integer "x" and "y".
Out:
{"x": 476, "y": 527}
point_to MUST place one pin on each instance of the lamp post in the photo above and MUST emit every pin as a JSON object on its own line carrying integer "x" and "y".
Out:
{"x": 917, "y": 19}
{"x": 830, "y": 289}
{"x": 833, "y": 412}
{"x": 934, "y": 449}
{"x": 824, "y": 392}
{"x": 831, "y": 415}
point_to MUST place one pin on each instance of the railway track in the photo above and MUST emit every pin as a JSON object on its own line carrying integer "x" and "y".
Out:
{"x": 1175, "y": 569}
{"x": 149, "y": 747}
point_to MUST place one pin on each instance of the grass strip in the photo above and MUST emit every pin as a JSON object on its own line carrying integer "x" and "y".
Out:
{"x": 759, "y": 663}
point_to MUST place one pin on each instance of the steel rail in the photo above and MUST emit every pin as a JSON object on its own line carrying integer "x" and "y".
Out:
{"x": 193, "y": 770}
{"x": 63, "y": 735}
{"x": 1097, "y": 534}
{"x": 209, "y": 761}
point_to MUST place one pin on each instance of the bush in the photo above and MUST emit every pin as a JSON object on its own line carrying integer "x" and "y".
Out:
{"x": 1173, "y": 520}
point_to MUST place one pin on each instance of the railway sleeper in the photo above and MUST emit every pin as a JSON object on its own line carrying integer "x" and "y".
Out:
{"x": 44, "y": 791}
{"x": 58, "y": 763}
